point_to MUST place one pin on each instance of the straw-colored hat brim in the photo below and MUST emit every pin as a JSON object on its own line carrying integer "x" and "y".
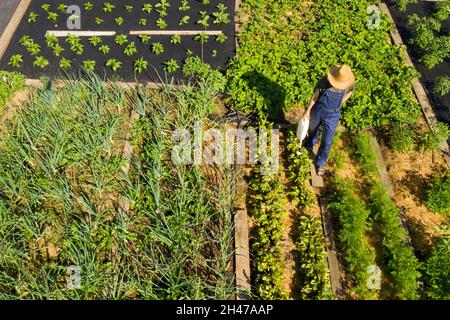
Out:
{"x": 341, "y": 80}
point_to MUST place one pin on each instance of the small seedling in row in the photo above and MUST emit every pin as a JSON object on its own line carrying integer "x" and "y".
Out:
{"x": 184, "y": 5}
{"x": 51, "y": 40}
{"x": 108, "y": 7}
{"x": 161, "y": 23}
{"x": 175, "y": 39}
{"x": 65, "y": 63}
{"x": 52, "y": 16}
{"x": 88, "y": 6}
{"x": 89, "y": 65}
{"x": 206, "y": 2}
{"x": 95, "y": 41}
{"x": 143, "y": 22}
{"x": 46, "y": 7}
{"x": 189, "y": 53}
{"x": 128, "y": 8}
{"x": 162, "y": 13}
{"x": 74, "y": 17}
{"x": 121, "y": 39}
{"x": 130, "y": 49}
{"x": 57, "y": 50}
{"x": 184, "y": 20}
{"x": 62, "y": 8}
{"x": 75, "y": 45}
{"x": 171, "y": 66}
{"x": 114, "y": 64}
{"x": 221, "y": 16}
{"x": 119, "y": 21}
{"x": 157, "y": 48}
{"x": 145, "y": 38}
{"x": 40, "y": 62}
{"x": 34, "y": 49}
{"x": 98, "y": 20}
{"x": 214, "y": 53}
{"x": 140, "y": 65}
{"x": 163, "y": 5}
{"x": 204, "y": 20}
{"x": 202, "y": 37}
{"x": 16, "y": 60}
{"x": 147, "y": 7}
{"x": 32, "y": 17}
{"x": 221, "y": 38}
{"x": 104, "y": 49}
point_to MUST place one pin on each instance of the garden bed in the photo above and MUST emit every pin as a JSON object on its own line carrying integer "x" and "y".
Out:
{"x": 168, "y": 54}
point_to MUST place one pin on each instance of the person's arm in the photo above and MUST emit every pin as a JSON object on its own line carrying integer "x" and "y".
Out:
{"x": 348, "y": 94}
{"x": 311, "y": 104}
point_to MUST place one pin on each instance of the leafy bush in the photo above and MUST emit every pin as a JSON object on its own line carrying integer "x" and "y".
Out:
{"x": 313, "y": 259}
{"x": 438, "y": 196}
{"x": 282, "y": 55}
{"x": 10, "y": 82}
{"x": 442, "y": 86}
{"x": 403, "y": 4}
{"x": 352, "y": 214}
{"x": 433, "y": 139}
{"x": 436, "y": 271}
{"x": 401, "y": 137}
{"x": 196, "y": 69}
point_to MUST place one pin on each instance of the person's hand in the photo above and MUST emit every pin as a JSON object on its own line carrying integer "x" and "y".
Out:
{"x": 307, "y": 113}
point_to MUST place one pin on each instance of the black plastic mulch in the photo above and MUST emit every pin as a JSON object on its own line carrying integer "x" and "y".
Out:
{"x": 37, "y": 31}
{"x": 441, "y": 104}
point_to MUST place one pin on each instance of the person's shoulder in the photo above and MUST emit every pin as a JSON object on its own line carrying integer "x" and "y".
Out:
{"x": 322, "y": 84}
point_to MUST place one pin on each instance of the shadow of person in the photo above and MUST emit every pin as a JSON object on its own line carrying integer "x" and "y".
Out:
{"x": 272, "y": 93}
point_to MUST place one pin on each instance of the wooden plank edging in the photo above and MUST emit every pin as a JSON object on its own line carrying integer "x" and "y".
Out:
{"x": 11, "y": 28}
{"x": 242, "y": 255}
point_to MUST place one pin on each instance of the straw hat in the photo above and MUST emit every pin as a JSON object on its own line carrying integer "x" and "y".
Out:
{"x": 341, "y": 77}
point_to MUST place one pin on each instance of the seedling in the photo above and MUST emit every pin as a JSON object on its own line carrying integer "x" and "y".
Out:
{"x": 46, "y": 7}
{"x": 145, "y": 38}
{"x": 40, "y": 62}
{"x": 89, "y": 65}
{"x": 52, "y": 16}
{"x": 57, "y": 50}
{"x": 147, "y": 7}
{"x": 143, "y": 22}
{"x": 175, "y": 39}
{"x": 119, "y": 21}
{"x": 95, "y": 41}
{"x": 128, "y": 8}
{"x": 204, "y": 20}
{"x": 108, "y": 7}
{"x": 130, "y": 49}
{"x": 171, "y": 66}
{"x": 161, "y": 23}
{"x": 157, "y": 48}
{"x": 32, "y": 17}
{"x": 140, "y": 65}
{"x": 104, "y": 49}
{"x": 184, "y": 20}
{"x": 221, "y": 16}
{"x": 16, "y": 60}
{"x": 51, "y": 40}
{"x": 201, "y": 37}
{"x": 221, "y": 38}
{"x": 62, "y": 8}
{"x": 163, "y": 5}
{"x": 65, "y": 63}
{"x": 214, "y": 53}
{"x": 206, "y": 2}
{"x": 88, "y": 6}
{"x": 184, "y": 5}
{"x": 75, "y": 45}
{"x": 114, "y": 64}
{"x": 98, "y": 20}
{"x": 121, "y": 39}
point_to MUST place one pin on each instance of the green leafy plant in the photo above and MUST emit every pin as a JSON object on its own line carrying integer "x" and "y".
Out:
{"x": 32, "y": 47}
{"x": 433, "y": 139}
{"x": 128, "y": 8}
{"x": 130, "y": 49}
{"x": 202, "y": 37}
{"x": 45, "y": 7}
{"x": 121, "y": 39}
{"x": 184, "y": 20}
{"x": 147, "y": 7}
{"x": 52, "y": 16}
{"x": 40, "y": 62}
{"x": 88, "y": 6}
{"x": 57, "y": 50}
{"x": 99, "y": 20}
{"x": 438, "y": 196}
{"x": 140, "y": 65}
{"x": 11, "y": 82}
{"x": 119, "y": 21}
{"x": 114, "y": 64}
{"x": 221, "y": 38}
{"x": 442, "y": 10}
{"x": 51, "y": 40}
{"x": 184, "y": 5}
{"x": 32, "y": 17}
{"x": 105, "y": 49}
{"x": 157, "y": 48}
{"x": 402, "y": 137}
{"x": 436, "y": 271}
{"x": 171, "y": 66}
{"x": 15, "y": 60}
{"x": 95, "y": 40}
{"x": 65, "y": 63}
{"x": 75, "y": 43}
{"x": 161, "y": 23}
{"x": 214, "y": 53}
{"x": 89, "y": 65}
{"x": 403, "y": 4}
{"x": 143, "y": 21}
{"x": 175, "y": 39}
{"x": 108, "y": 7}
{"x": 62, "y": 8}
{"x": 145, "y": 38}
{"x": 204, "y": 19}
{"x": 221, "y": 17}
{"x": 442, "y": 86}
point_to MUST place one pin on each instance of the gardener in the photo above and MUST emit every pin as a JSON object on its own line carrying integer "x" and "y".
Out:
{"x": 325, "y": 106}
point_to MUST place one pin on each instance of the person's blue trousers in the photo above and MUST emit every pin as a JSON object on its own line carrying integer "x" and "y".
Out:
{"x": 330, "y": 119}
